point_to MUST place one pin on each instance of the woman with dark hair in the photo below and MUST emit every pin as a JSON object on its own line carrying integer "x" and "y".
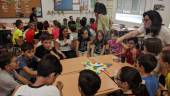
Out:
{"x": 103, "y": 21}
{"x": 65, "y": 42}
{"x": 152, "y": 28}
{"x": 130, "y": 81}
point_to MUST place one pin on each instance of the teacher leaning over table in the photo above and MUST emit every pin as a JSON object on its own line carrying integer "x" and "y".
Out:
{"x": 152, "y": 28}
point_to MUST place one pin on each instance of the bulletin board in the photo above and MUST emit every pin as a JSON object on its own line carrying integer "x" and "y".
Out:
{"x": 19, "y": 8}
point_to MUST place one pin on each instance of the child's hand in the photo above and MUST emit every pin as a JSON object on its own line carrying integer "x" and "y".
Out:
{"x": 60, "y": 85}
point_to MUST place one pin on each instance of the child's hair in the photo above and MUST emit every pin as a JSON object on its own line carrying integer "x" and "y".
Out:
{"x": 18, "y": 23}
{"x": 89, "y": 82}
{"x": 61, "y": 37}
{"x": 153, "y": 45}
{"x": 81, "y": 32}
{"x": 5, "y": 59}
{"x": 103, "y": 40}
{"x": 56, "y": 23}
{"x": 92, "y": 20}
{"x": 40, "y": 26}
{"x": 135, "y": 40}
{"x": 134, "y": 80}
{"x": 48, "y": 65}
{"x": 26, "y": 47}
{"x": 45, "y": 36}
{"x": 46, "y": 25}
{"x": 165, "y": 56}
{"x": 114, "y": 33}
{"x": 83, "y": 21}
{"x": 148, "y": 61}
{"x": 73, "y": 27}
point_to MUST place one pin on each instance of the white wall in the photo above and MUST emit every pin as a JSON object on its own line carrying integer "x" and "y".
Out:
{"x": 48, "y": 5}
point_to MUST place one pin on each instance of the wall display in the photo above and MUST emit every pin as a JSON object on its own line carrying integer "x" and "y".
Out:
{"x": 19, "y": 8}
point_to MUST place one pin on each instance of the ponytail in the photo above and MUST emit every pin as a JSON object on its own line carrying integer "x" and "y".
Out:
{"x": 140, "y": 91}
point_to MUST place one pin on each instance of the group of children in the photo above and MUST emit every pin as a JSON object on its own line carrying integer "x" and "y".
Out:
{"x": 42, "y": 47}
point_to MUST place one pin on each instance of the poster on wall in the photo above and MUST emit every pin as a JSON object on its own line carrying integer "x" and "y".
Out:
{"x": 63, "y": 5}
{"x": 159, "y": 7}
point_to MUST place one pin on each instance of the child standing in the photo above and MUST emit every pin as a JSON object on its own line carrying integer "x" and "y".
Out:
{"x": 99, "y": 45}
{"x": 146, "y": 64}
{"x": 83, "y": 44}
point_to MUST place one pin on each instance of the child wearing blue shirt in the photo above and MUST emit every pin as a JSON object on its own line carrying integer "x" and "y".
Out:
{"x": 146, "y": 64}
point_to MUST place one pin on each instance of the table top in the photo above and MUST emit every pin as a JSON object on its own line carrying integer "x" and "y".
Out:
{"x": 70, "y": 82}
{"x": 75, "y": 64}
{"x": 72, "y": 67}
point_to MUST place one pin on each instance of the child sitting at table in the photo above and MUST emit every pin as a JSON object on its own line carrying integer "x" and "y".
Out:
{"x": 99, "y": 46}
{"x": 45, "y": 48}
{"x": 130, "y": 81}
{"x": 8, "y": 75}
{"x": 146, "y": 64}
{"x": 165, "y": 67}
{"x": 115, "y": 48}
{"x": 48, "y": 69}
{"x": 83, "y": 44}
{"x": 131, "y": 51}
{"x": 27, "y": 61}
{"x": 89, "y": 83}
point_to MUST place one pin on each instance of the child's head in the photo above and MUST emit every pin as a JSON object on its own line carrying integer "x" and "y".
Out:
{"x": 165, "y": 60}
{"x": 73, "y": 28}
{"x": 153, "y": 45}
{"x": 49, "y": 68}
{"x": 89, "y": 82}
{"x": 46, "y": 25}
{"x": 19, "y": 24}
{"x": 92, "y": 20}
{"x": 32, "y": 25}
{"x": 114, "y": 34}
{"x": 84, "y": 34}
{"x": 83, "y": 21}
{"x": 146, "y": 63}
{"x": 46, "y": 40}
{"x": 100, "y": 35}
{"x": 28, "y": 50}
{"x": 56, "y": 23}
{"x": 132, "y": 42}
{"x": 8, "y": 61}
{"x": 128, "y": 78}
{"x": 64, "y": 33}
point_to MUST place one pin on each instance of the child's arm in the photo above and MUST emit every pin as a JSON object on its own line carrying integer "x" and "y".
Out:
{"x": 88, "y": 48}
{"x": 22, "y": 79}
{"x": 92, "y": 50}
{"x": 124, "y": 45}
{"x": 103, "y": 50}
{"x": 77, "y": 48}
{"x": 29, "y": 71}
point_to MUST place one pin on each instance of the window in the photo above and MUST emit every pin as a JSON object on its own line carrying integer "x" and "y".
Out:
{"x": 132, "y": 9}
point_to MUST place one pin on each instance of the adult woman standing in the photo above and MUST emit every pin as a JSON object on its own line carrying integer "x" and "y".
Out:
{"x": 152, "y": 28}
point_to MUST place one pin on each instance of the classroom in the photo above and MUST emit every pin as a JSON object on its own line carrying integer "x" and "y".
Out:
{"x": 84, "y": 48}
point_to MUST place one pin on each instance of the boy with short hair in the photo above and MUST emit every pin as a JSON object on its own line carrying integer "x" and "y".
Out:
{"x": 146, "y": 64}
{"x": 45, "y": 48}
{"x": 8, "y": 65}
{"x": 17, "y": 37}
{"x": 26, "y": 61}
{"x": 89, "y": 83}
{"x": 48, "y": 69}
